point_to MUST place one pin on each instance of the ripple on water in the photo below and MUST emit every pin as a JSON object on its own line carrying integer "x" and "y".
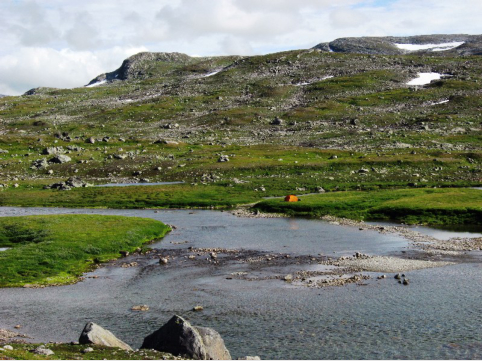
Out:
{"x": 436, "y": 317}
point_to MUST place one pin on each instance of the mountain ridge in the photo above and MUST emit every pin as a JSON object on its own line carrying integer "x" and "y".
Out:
{"x": 137, "y": 66}
{"x": 472, "y": 44}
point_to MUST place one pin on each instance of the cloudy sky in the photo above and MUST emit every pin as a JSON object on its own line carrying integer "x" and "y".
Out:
{"x": 66, "y": 43}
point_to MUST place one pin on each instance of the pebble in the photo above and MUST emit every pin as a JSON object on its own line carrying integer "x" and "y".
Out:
{"x": 198, "y": 308}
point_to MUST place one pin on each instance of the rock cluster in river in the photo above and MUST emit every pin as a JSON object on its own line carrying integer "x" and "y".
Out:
{"x": 177, "y": 337}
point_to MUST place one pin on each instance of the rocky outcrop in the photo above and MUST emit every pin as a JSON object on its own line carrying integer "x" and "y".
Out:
{"x": 39, "y": 91}
{"x": 94, "y": 334}
{"x": 472, "y": 44}
{"x": 61, "y": 158}
{"x": 179, "y": 337}
{"x": 72, "y": 182}
{"x": 136, "y": 66}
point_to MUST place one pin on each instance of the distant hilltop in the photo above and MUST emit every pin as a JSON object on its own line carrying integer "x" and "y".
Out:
{"x": 145, "y": 64}
{"x": 395, "y": 45}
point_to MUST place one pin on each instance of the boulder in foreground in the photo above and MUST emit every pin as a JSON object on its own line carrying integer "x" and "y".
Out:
{"x": 179, "y": 337}
{"x": 94, "y": 334}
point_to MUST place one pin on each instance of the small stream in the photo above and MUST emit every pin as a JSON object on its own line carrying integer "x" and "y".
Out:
{"x": 437, "y": 317}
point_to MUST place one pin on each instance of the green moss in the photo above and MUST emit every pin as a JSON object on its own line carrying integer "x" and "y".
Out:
{"x": 74, "y": 352}
{"x": 58, "y": 249}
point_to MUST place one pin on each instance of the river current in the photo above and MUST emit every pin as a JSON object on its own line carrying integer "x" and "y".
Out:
{"x": 437, "y": 317}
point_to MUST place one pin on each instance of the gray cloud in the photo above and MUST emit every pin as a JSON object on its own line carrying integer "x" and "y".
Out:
{"x": 83, "y": 35}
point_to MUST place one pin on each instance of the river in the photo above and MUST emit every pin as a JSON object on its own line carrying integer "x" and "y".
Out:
{"x": 437, "y": 317}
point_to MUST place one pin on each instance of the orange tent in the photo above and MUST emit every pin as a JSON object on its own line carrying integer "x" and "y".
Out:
{"x": 291, "y": 198}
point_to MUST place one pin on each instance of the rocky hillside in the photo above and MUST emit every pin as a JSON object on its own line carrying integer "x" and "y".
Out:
{"x": 169, "y": 116}
{"x": 422, "y": 44}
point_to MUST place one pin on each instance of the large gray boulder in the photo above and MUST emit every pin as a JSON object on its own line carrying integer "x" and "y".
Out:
{"x": 214, "y": 344}
{"x": 94, "y": 334}
{"x": 180, "y": 338}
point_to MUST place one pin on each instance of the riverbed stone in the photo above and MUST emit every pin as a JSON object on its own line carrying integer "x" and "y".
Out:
{"x": 95, "y": 334}
{"x": 43, "y": 351}
{"x": 180, "y": 338}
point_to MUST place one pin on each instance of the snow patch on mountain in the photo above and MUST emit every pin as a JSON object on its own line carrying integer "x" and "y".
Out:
{"x": 424, "y": 78}
{"x": 96, "y": 84}
{"x": 432, "y": 47}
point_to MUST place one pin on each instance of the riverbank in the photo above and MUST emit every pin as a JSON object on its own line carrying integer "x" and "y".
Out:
{"x": 433, "y": 206}
{"x": 58, "y": 249}
{"x": 17, "y": 349}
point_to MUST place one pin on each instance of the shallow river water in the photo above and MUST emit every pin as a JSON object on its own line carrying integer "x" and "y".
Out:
{"x": 437, "y": 317}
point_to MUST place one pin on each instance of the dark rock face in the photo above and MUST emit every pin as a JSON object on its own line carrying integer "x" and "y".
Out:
{"x": 385, "y": 45}
{"x": 94, "y": 334}
{"x": 179, "y": 337}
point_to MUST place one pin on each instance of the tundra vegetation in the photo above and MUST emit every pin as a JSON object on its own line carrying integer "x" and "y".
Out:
{"x": 237, "y": 129}
{"x": 53, "y": 250}
{"x": 337, "y": 125}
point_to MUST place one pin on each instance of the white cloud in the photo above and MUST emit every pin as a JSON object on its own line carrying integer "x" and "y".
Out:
{"x": 32, "y": 67}
{"x": 347, "y": 18}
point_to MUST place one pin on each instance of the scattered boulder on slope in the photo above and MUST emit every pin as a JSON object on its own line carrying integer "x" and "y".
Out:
{"x": 179, "y": 337}
{"x": 53, "y": 150}
{"x": 61, "y": 158}
{"x": 72, "y": 182}
{"x": 94, "y": 334}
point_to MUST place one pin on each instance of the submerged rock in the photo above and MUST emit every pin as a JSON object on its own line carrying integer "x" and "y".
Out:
{"x": 179, "y": 337}
{"x": 94, "y": 334}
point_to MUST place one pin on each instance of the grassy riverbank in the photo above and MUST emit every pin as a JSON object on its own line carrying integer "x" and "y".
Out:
{"x": 57, "y": 249}
{"x": 420, "y": 206}
{"x": 64, "y": 351}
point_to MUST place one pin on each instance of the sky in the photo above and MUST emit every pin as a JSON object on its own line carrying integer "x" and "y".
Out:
{"x": 66, "y": 43}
